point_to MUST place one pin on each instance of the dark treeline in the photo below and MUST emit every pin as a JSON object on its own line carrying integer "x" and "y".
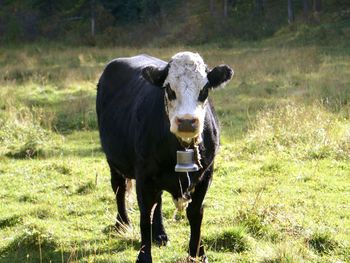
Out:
{"x": 132, "y": 21}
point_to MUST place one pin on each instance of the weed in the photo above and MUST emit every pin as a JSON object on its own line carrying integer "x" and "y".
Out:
{"x": 28, "y": 198}
{"x": 43, "y": 212}
{"x": 60, "y": 168}
{"x": 233, "y": 239}
{"x": 322, "y": 242}
{"x": 86, "y": 188}
{"x": 257, "y": 225}
{"x": 10, "y": 221}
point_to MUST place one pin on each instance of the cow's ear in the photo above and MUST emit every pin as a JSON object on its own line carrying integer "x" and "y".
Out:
{"x": 155, "y": 75}
{"x": 219, "y": 75}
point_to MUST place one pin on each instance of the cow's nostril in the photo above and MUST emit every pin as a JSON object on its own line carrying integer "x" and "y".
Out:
{"x": 195, "y": 122}
{"x": 178, "y": 121}
{"x": 187, "y": 125}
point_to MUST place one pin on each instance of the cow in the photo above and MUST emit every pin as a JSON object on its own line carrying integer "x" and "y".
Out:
{"x": 147, "y": 109}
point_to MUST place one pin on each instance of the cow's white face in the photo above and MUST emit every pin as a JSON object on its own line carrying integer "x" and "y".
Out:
{"x": 187, "y": 82}
{"x": 186, "y": 78}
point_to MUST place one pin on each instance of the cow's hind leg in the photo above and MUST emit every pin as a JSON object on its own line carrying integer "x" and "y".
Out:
{"x": 158, "y": 232}
{"x": 119, "y": 185}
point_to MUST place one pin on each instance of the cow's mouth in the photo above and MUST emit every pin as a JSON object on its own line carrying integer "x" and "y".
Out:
{"x": 187, "y": 137}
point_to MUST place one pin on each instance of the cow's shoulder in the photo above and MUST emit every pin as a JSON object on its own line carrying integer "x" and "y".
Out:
{"x": 125, "y": 69}
{"x": 135, "y": 62}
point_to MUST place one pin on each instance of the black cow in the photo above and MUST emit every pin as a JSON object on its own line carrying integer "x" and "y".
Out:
{"x": 147, "y": 110}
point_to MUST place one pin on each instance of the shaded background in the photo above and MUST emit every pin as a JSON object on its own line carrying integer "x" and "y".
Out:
{"x": 169, "y": 22}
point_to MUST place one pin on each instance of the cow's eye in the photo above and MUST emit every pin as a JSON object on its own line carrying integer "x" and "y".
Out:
{"x": 203, "y": 94}
{"x": 170, "y": 92}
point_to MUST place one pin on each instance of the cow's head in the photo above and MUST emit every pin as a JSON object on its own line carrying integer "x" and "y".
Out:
{"x": 187, "y": 82}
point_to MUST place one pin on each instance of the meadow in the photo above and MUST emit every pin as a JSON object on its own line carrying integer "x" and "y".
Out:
{"x": 281, "y": 188}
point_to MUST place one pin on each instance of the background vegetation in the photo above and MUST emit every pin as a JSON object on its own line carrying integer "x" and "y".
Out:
{"x": 281, "y": 186}
{"x": 168, "y": 22}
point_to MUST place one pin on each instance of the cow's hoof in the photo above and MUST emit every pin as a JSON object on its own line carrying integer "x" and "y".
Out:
{"x": 144, "y": 258}
{"x": 202, "y": 259}
{"x": 160, "y": 240}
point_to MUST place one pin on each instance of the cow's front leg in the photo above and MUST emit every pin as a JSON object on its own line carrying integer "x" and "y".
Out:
{"x": 195, "y": 215}
{"x": 158, "y": 232}
{"x": 146, "y": 197}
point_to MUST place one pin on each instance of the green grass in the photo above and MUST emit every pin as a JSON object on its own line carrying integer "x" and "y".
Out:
{"x": 281, "y": 186}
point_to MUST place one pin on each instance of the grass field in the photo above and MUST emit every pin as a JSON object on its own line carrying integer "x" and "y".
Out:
{"x": 281, "y": 189}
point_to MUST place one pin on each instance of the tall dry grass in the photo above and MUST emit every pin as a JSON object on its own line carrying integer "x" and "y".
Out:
{"x": 26, "y": 133}
{"x": 299, "y": 131}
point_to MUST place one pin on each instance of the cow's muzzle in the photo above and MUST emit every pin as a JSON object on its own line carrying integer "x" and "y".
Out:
{"x": 187, "y": 125}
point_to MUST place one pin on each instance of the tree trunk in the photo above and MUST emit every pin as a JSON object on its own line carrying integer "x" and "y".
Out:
{"x": 259, "y": 6}
{"x": 225, "y": 8}
{"x": 93, "y": 15}
{"x": 211, "y": 6}
{"x": 290, "y": 12}
{"x": 318, "y": 6}
{"x": 306, "y": 7}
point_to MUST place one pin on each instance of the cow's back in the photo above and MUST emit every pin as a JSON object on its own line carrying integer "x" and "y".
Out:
{"x": 126, "y": 107}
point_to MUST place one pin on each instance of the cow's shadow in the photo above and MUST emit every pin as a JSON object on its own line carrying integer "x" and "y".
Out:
{"x": 43, "y": 249}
